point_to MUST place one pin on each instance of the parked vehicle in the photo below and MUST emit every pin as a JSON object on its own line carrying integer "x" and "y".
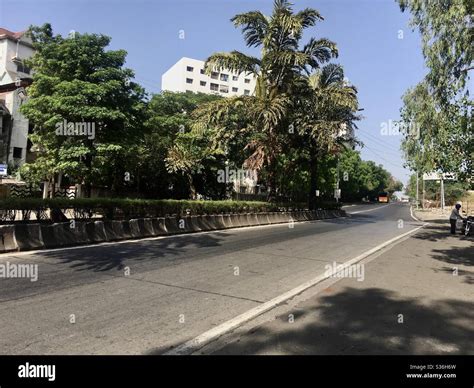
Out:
{"x": 467, "y": 226}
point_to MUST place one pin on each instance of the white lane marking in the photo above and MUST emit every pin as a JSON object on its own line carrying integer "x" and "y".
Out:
{"x": 212, "y": 334}
{"x": 370, "y": 210}
{"x": 342, "y": 207}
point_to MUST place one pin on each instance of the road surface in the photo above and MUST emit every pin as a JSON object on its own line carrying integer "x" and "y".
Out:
{"x": 149, "y": 296}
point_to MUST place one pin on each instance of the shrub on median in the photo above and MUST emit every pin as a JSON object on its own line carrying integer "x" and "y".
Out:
{"x": 119, "y": 208}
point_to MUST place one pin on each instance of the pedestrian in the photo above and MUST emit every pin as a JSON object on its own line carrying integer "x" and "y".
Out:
{"x": 455, "y": 215}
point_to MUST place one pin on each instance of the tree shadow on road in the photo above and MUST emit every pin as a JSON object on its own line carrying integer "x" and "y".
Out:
{"x": 365, "y": 321}
{"x": 436, "y": 233}
{"x": 117, "y": 256}
{"x": 466, "y": 276}
{"x": 455, "y": 255}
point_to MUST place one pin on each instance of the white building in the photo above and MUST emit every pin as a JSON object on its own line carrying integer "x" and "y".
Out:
{"x": 187, "y": 75}
{"x": 14, "y": 77}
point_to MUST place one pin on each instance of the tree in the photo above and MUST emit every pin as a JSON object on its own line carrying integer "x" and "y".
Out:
{"x": 77, "y": 85}
{"x": 279, "y": 73}
{"x": 325, "y": 118}
{"x": 440, "y": 106}
{"x": 169, "y": 150}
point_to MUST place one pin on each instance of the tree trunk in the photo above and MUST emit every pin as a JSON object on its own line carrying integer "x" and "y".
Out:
{"x": 192, "y": 189}
{"x": 313, "y": 186}
{"x": 87, "y": 183}
{"x": 271, "y": 181}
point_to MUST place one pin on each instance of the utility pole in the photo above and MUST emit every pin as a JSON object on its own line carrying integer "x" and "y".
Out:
{"x": 417, "y": 189}
{"x": 442, "y": 192}
{"x": 423, "y": 194}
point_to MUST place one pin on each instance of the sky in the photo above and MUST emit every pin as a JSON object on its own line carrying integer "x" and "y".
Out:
{"x": 380, "y": 53}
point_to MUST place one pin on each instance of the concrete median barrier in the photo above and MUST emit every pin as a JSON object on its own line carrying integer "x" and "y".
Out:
{"x": 37, "y": 236}
{"x": 175, "y": 225}
{"x": 227, "y": 218}
{"x": 49, "y": 236}
{"x": 146, "y": 227}
{"x": 243, "y": 219}
{"x": 28, "y": 237}
{"x": 235, "y": 220}
{"x": 254, "y": 219}
{"x": 96, "y": 231}
{"x": 127, "y": 231}
{"x": 114, "y": 230}
{"x": 220, "y": 222}
{"x": 208, "y": 222}
{"x": 7, "y": 238}
{"x": 194, "y": 224}
{"x": 135, "y": 228}
{"x": 68, "y": 233}
{"x": 159, "y": 226}
{"x": 259, "y": 219}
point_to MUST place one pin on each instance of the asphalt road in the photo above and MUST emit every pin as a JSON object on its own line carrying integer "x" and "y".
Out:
{"x": 147, "y": 296}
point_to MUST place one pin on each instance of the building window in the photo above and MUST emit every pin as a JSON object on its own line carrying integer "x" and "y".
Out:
{"x": 22, "y": 68}
{"x": 246, "y": 92}
{"x": 214, "y": 75}
{"x": 202, "y": 71}
{"x": 247, "y": 81}
{"x": 235, "y": 90}
{"x": 189, "y": 80}
{"x": 189, "y": 68}
{"x": 17, "y": 152}
{"x": 202, "y": 83}
{"x": 224, "y": 89}
{"x": 214, "y": 87}
{"x": 235, "y": 78}
{"x": 224, "y": 77}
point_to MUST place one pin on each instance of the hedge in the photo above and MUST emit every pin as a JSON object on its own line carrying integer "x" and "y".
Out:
{"x": 119, "y": 208}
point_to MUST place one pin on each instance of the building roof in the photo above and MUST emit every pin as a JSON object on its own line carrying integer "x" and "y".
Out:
{"x": 5, "y": 34}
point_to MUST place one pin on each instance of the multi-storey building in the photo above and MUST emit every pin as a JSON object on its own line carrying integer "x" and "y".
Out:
{"x": 187, "y": 75}
{"x": 15, "y": 76}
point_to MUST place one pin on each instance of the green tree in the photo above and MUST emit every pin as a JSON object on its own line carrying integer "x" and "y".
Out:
{"x": 76, "y": 80}
{"x": 440, "y": 106}
{"x": 279, "y": 73}
{"x": 325, "y": 119}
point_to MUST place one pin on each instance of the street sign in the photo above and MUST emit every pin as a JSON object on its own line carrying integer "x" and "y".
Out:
{"x": 337, "y": 193}
{"x": 3, "y": 170}
{"x": 436, "y": 176}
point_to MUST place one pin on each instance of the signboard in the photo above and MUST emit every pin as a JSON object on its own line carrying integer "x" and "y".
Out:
{"x": 3, "y": 170}
{"x": 337, "y": 193}
{"x": 436, "y": 176}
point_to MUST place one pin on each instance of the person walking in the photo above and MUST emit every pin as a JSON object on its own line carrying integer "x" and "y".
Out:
{"x": 455, "y": 215}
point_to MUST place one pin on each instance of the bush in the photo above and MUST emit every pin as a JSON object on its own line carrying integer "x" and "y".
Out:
{"x": 118, "y": 208}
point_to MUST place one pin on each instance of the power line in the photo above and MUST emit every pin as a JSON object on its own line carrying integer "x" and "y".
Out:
{"x": 379, "y": 141}
{"x": 381, "y": 157}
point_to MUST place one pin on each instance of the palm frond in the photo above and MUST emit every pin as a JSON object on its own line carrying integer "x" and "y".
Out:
{"x": 234, "y": 61}
{"x": 254, "y": 27}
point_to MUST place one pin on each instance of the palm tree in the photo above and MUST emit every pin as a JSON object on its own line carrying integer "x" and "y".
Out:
{"x": 326, "y": 117}
{"x": 278, "y": 72}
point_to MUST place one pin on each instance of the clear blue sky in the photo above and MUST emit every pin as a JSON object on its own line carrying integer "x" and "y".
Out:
{"x": 381, "y": 65}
